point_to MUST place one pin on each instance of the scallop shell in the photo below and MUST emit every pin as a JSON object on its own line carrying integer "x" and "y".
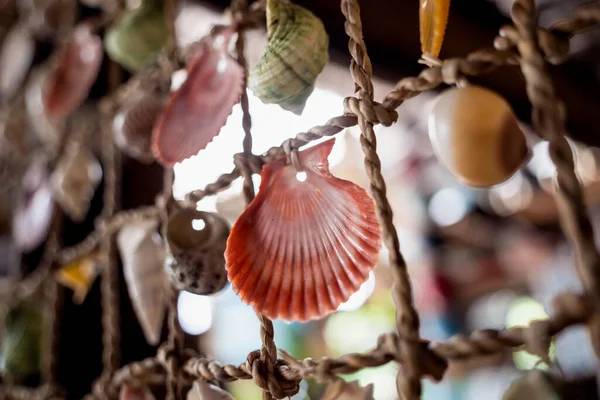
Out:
{"x": 21, "y": 342}
{"x": 33, "y": 215}
{"x": 16, "y": 55}
{"x": 306, "y": 243}
{"x": 79, "y": 276}
{"x": 475, "y": 134}
{"x": 197, "y": 111}
{"x": 137, "y": 37}
{"x": 296, "y": 53}
{"x": 143, "y": 255}
{"x": 433, "y": 18}
{"x": 76, "y": 71}
{"x": 205, "y": 391}
{"x": 341, "y": 390}
{"x": 197, "y": 241}
{"x": 132, "y": 127}
{"x": 75, "y": 180}
{"x": 129, "y": 392}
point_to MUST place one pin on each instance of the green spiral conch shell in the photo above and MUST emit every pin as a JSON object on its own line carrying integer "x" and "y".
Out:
{"x": 21, "y": 344}
{"x": 296, "y": 53}
{"x": 137, "y": 37}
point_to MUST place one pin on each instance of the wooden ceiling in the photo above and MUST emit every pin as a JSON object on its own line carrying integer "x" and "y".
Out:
{"x": 391, "y": 32}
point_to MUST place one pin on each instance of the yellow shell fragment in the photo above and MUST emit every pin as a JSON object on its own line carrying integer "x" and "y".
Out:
{"x": 433, "y": 18}
{"x": 475, "y": 134}
{"x": 79, "y": 276}
{"x": 296, "y": 53}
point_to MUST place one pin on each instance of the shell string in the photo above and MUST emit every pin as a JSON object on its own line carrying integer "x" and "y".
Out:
{"x": 549, "y": 122}
{"x": 407, "y": 320}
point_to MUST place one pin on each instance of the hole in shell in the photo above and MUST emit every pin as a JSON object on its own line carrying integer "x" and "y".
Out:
{"x": 301, "y": 176}
{"x": 198, "y": 224}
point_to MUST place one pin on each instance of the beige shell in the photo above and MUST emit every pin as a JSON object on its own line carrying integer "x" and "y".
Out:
{"x": 75, "y": 180}
{"x": 342, "y": 390}
{"x": 475, "y": 134}
{"x": 16, "y": 55}
{"x": 143, "y": 254}
{"x": 197, "y": 242}
{"x": 296, "y": 53}
{"x": 535, "y": 385}
{"x": 205, "y": 391}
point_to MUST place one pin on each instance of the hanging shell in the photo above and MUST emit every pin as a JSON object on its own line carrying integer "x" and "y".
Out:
{"x": 205, "y": 391}
{"x": 197, "y": 241}
{"x": 197, "y": 111}
{"x": 306, "y": 242}
{"x": 143, "y": 257}
{"x": 433, "y": 18}
{"x": 129, "y": 392}
{"x": 33, "y": 214}
{"x": 16, "y": 55}
{"x": 80, "y": 275}
{"x": 75, "y": 180}
{"x": 342, "y": 390}
{"x": 21, "y": 343}
{"x": 76, "y": 71}
{"x": 132, "y": 126}
{"x": 296, "y": 53}
{"x": 535, "y": 385}
{"x": 137, "y": 37}
{"x": 48, "y": 131}
{"x": 475, "y": 134}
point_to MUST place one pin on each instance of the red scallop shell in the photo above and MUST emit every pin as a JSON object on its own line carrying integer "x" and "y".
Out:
{"x": 302, "y": 248}
{"x": 70, "y": 82}
{"x": 197, "y": 111}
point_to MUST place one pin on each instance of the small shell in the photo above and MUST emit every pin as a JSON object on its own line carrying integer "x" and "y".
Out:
{"x": 197, "y": 111}
{"x": 75, "y": 180}
{"x": 50, "y": 18}
{"x": 342, "y": 390}
{"x": 535, "y": 385}
{"x": 205, "y": 391}
{"x": 475, "y": 134}
{"x": 16, "y": 55}
{"x": 129, "y": 392}
{"x": 306, "y": 242}
{"x": 79, "y": 276}
{"x": 21, "y": 342}
{"x": 76, "y": 71}
{"x": 197, "y": 242}
{"x": 34, "y": 212}
{"x": 137, "y": 37}
{"x": 48, "y": 131}
{"x": 132, "y": 127}
{"x": 296, "y": 53}
{"x": 143, "y": 255}
{"x": 433, "y": 18}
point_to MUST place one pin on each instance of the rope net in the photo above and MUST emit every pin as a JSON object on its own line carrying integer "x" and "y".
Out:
{"x": 522, "y": 44}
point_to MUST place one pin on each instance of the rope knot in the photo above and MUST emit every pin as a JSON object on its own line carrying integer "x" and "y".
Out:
{"x": 270, "y": 377}
{"x": 373, "y": 112}
{"x": 248, "y": 163}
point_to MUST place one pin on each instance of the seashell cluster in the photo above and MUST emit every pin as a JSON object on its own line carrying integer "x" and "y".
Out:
{"x": 433, "y": 18}
{"x": 197, "y": 241}
{"x": 475, "y": 134}
{"x": 143, "y": 256}
{"x": 296, "y": 53}
{"x": 133, "y": 125}
{"x": 137, "y": 37}
{"x": 197, "y": 111}
{"x": 75, "y": 180}
{"x": 306, "y": 243}
{"x": 76, "y": 71}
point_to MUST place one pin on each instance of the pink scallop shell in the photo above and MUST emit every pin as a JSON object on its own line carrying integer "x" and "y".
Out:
{"x": 302, "y": 248}
{"x": 70, "y": 82}
{"x": 197, "y": 111}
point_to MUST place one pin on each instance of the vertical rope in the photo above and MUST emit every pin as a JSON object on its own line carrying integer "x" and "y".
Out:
{"x": 407, "y": 320}
{"x": 549, "y": 122}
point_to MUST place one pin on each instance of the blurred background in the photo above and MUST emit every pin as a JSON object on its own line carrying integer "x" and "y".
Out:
{"x": 477, "y": 258}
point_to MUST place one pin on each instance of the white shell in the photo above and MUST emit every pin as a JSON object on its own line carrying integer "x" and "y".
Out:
{"x": 16, "y": 56}
{"x": 205, "y": 391}
{"x": 143, "y": 254}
